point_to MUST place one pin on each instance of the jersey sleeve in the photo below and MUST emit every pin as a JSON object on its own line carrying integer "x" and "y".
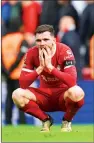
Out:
{"x": 69, "y": 62}
{"x": 28, "y": 74}
{"x": 68, "y": 72}
{"x": 28, "y": 61}
{"x": 68, "y": 58}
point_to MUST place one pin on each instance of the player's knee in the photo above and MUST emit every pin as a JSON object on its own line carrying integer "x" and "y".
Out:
{"x": 76, "y": 93}
{"x": 15, "y": 95}
{"x": 17, "y": 98}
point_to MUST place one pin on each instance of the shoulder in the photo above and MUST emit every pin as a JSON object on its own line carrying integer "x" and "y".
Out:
{"x": 64, "y": 52}
{"x": 31, "y": 53}
{"x": 62, "y": 47}
{"x": 33, "y": 50}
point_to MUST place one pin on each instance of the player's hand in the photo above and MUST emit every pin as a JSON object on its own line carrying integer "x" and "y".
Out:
{"x": 42, "y": 63}
{"x": 41, "y": 58}
{"x": 48, "y": 56}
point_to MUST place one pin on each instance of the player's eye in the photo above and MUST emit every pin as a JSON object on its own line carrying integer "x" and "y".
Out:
{"x": 38, "y": 40}
{"x": 46, "y": 39}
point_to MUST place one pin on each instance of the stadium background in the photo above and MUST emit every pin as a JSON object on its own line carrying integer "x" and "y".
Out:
{"x": 86, "y": 113}
{"x": 19, "y": 20}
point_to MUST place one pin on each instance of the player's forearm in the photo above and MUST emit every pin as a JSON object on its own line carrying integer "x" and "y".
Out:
{"x": 39, "y": 70}
{"x": 26, "y": 79}
{"x": 65, "y": 77}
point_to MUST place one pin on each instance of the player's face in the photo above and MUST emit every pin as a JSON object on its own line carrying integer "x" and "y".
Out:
{"x": 45, "y": 39}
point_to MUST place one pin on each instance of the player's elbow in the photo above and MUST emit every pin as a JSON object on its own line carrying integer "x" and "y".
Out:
{"x": 23, "y": 83}
{"x": 72, "y": 82}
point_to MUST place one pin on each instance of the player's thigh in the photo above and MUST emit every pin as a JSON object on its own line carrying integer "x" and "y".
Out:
{"x": 42, "y": 99}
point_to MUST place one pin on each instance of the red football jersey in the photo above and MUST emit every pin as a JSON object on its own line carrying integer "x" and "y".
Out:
{"x": 63, "y": 73}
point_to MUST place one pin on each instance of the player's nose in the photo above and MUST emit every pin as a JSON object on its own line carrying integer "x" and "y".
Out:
{"x": 42, "y": 42}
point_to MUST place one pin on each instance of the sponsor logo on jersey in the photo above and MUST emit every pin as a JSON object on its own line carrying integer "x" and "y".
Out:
{"x": 47, "y": 79}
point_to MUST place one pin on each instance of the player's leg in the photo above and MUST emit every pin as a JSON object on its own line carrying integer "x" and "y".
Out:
{"x": 28, "y": 102}
{"x": 74, "y": 100}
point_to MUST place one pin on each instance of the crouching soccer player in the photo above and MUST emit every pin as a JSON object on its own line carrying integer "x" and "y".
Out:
{"x": 54, "y": 63}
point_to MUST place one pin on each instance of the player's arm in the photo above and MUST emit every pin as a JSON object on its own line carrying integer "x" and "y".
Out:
{"x": 68, "y": 74}
{"x": 28, "y": 74}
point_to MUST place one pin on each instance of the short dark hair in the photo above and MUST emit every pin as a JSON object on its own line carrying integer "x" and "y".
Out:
{"x": 44, "y": 28}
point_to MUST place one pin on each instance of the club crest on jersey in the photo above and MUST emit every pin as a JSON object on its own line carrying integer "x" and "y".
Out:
{"x": 69, "y": 52}
{"x": 68, "y": 55}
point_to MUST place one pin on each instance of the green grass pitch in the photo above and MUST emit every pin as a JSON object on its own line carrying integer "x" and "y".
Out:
{"x": 28, "y": 133}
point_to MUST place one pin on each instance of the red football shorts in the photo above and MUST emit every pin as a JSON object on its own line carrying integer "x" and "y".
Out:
{"x": 49, "y": 99}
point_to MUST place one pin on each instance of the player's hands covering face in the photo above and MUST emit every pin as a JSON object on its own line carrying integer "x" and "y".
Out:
{"x": 41, "y": 59}
{"x": 47, "y": 58}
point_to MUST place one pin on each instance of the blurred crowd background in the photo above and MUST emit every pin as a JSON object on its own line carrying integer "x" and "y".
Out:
{"x": 73, "y": 22}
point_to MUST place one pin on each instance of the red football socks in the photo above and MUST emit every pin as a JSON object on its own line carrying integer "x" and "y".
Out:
{"x": 72, "y": 108}
{"x": 33, "y": 109}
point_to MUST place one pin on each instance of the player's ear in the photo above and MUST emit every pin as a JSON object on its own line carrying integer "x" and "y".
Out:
{"x": 54, "y": 39}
